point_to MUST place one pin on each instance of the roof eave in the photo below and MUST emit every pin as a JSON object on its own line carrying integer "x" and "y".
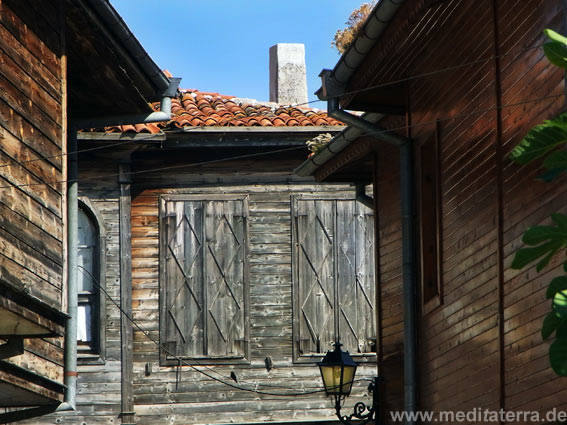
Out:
{"x": 116, "y": 25}
{"x": 375, "y": 25}
{"x": 334, "y": 147}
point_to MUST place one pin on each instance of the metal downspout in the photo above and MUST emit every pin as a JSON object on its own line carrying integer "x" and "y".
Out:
{"x": 409, "y": 266}
{"x": 164, "y": 114}
{"x": 70, "y": 362}
{"x": 70, "y": 366}
{"x": 362, "y": 197}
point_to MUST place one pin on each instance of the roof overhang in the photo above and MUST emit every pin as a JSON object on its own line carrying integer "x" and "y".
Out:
{"x": 355, "y": 80}
{"x": 385, "y": 100}
{"x": 341, "y": 159}
{"x": 208, "y": 137}
{"x": 25, "y": 316}
{"x": 21, "y": 388}
{"x": 109, "y": 72}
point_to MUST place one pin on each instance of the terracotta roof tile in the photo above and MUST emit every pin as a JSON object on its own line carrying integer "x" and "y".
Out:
{"x": 193, "y": 108}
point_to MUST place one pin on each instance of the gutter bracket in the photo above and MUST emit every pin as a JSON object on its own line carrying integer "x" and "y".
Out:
{"x": 330, "y": 87}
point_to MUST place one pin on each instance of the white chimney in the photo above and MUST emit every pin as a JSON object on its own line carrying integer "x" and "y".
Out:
{"x": 288, "y": 81}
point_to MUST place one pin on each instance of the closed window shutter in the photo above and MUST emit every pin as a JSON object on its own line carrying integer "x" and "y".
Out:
{"x": 355, "y": 269}
{"x": 334, "y": 275}
{"x": 315, "y": 275}
{"x": 184, "y": 272}
{"x": 225, "y": 253}
{"x": 205, "y": 277}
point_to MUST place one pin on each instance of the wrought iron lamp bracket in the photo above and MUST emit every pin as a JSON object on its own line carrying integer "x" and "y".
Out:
{"x": 362, "y": 412}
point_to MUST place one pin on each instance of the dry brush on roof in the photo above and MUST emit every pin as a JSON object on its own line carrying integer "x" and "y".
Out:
{"x": 344, "y": 37}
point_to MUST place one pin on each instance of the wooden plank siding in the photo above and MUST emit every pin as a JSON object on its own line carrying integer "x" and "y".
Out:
{"x": 166, "y": 393}
{"x": 486, "y": 330}
{"x": 32, "y": 145}
{"x": 186, "y": 395}
{"x": 529, "y": 382}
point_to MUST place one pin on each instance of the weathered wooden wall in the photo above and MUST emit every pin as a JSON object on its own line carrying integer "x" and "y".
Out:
{"x": 195, "y": 398}
{"x": 170, "y": 394}
{"x": 486, "y": 332}
{"x": 31, "y": 164}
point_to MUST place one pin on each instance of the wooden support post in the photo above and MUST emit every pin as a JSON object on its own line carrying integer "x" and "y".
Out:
{"x": 126, "y": 331}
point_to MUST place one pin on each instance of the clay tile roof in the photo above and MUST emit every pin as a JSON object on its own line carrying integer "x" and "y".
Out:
{"x": 193, "y": 108}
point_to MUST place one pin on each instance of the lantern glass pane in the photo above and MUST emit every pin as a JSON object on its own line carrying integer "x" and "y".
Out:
{"x": 348, "y": 378}
{"x": 331, "y": 378}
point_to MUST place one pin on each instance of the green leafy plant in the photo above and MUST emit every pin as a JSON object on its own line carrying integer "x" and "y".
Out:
{"x": 547, "y": 142}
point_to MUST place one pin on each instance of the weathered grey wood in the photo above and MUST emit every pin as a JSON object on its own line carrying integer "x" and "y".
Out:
{"x": 126, "y": 332}
{"x": 333, "y": 275}
{"x": 205, "y": 285}
{"x": 270, "y": 315}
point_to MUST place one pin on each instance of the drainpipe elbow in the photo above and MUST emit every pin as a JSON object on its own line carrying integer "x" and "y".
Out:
{"x": 66, "y": 407}
{"x": 362, "y": 197}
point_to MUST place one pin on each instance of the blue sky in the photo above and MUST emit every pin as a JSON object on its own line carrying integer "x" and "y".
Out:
{"x": 222, "y": 46}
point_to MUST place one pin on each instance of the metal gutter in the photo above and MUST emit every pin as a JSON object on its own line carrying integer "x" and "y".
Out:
{"x": 120, "y": 30}
{"x": 336, "y": 145}
{"x": 375, "y": 25}
{"x": 164, "y": 114}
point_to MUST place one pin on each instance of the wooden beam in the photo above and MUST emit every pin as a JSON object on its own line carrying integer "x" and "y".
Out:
{"x": 126, "y": 331}
{"x": 14, "y": 346}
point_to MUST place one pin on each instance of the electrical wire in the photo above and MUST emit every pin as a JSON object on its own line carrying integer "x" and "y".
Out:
{"x": 259, "y": 154}
{"x": 94, "y": 148}
{"x": 422, "y": 75}
{"x": 152, "y": 170}
{"x": 438, "y": 71}
{"x": 184, "y": 362}
{"x": 145, "y": 332}
{"x": 346, "y": 93}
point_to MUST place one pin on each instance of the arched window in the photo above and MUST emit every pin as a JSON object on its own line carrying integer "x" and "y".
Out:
{"x": 89, "y": 326}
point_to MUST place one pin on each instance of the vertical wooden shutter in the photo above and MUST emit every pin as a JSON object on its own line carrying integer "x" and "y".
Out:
{"x": 355, "y": 271}
{"x": 225, "y": 253}
{"x": 205, "y": 277}
{"x": 185, "y": 298}
{"x": 334, "y": 274}
{"x": 315, "y": 275}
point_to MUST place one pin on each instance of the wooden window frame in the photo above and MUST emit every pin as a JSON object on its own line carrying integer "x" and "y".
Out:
{"x": 311, "y": 358}
{"x": 95, "y": 352}
{"x": 165, "y": 358}
{"x": 432, "y": 295}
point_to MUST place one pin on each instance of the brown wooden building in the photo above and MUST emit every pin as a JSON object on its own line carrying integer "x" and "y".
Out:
{"x": 455, "y": 85}
{"x": 60, "y": 62}
{"x": 234, "y": 274}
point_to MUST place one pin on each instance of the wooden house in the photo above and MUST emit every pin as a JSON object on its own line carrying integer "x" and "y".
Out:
{"x": 448, "y": 89}
{"x": 61, "y": 62}
{"x": 234, "y": 269}
{"x": 211, "y": 279}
